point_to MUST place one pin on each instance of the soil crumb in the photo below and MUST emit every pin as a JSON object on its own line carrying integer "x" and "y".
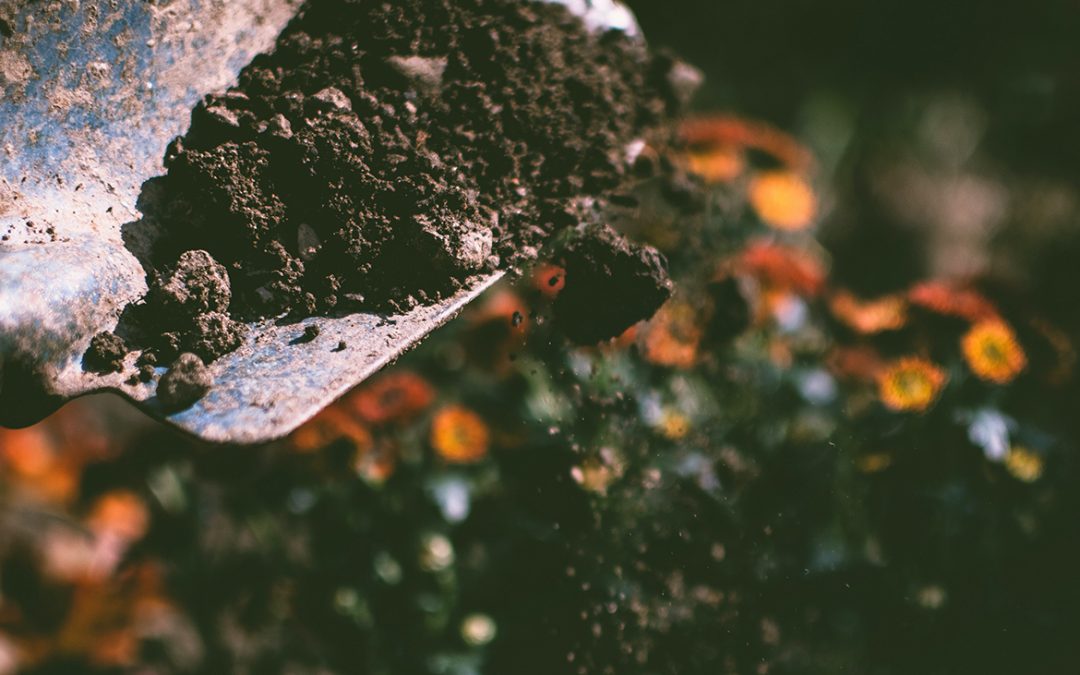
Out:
{"x": 186, "y": 381}
{"x": 106, "y": 354}
{"x": 610, "y": 284}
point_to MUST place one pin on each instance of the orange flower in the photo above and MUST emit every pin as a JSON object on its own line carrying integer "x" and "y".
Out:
{"x": 702, "y": 133}
{"x": 944, "y": 298}
{"x": 28, "y": 452}
{"x": 783, "y": 200}
{"x": 720, "y": 164}
{"x": 911, "y": 383}
{"x": 121, "y": 514}
{"x": 672, "y": 336}
{"x": 992, "y": 352}
{"x": 332, "y": 424}
{"x": 459, "y": 435}
{"x": 869, "y": 317}
{"x": 394, "y": 397}
{"x": 782, "y": 267}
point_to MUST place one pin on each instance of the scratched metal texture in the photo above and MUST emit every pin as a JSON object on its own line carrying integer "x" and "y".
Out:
{"x": 91, "y": 92}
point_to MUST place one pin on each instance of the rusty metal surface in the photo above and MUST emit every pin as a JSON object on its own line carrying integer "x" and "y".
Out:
{"x": 91, "y": 92}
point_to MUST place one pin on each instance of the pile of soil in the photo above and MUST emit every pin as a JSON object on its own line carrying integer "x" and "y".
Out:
{"x": 384, "y": 153}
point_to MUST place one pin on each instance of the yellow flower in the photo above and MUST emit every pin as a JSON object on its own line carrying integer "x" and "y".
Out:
{"x": 1024, "y": 464}
{"x": 459, "y": 435}
{"x": 594, "y": 475}
{"x": 674, "y": 425}
{"x": 911, "y": 383}
{"x": 992, "y": 352}
{"x": 784, "y": 200}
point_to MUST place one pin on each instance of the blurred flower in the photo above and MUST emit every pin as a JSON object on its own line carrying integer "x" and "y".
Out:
{"x": 121, "y": 514}
{"x": 387, "y": 568}
{"x": 789, "y": 311}
{"x": 671, "y": 338}
{"x": 69, "y": 555}
{"x": 816, "y": 386}
{"x": 594, "y": 475}
{"x": 451, "y": 493}
{"x": 783, "y": 200}
{"x": 394, "y": 397}
{"x": 459, "y": 435}
{"x": 989, "y": 429}
{"x": 992, "y": 352}
{"x": 729, "y": 131}
{"x": 944, "y": 298}
{"x": 27, "y": 452}
{"x": 1024, "y": 464}
{"x": 873, "y": 462}
{"x": 329, "y": 426}
{"x": 911, "y": 383}
{"x": 931, "y": 597}
{"x": 782, "y": 267}
{"x": 718, "y": 164}
{"x": 549, "y": 279}
{"x": 871, "y": 316}
{"x": 674, "y": 425}
{"x": 436, "y": 553}
{"x": 478, "y": 629}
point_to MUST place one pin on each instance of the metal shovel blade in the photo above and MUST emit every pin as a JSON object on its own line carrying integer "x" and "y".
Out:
{"x": 92, "y": 93}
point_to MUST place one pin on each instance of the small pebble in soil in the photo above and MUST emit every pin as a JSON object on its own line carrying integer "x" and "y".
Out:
{"x": 186, "y": 381}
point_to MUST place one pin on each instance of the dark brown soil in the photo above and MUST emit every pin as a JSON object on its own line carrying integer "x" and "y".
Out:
{"x": 611, "y": 284}
{"x": 106, "y": 354}
{"x": 384, "y": 153}
{"x": 186, "y": 381}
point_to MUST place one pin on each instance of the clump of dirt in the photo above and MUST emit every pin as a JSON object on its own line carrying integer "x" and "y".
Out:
{"x": 186, "y": 381}
{"x": 106, "y": 354}
{"x": 610, "y": 284}
{"x": 384, "y": 153}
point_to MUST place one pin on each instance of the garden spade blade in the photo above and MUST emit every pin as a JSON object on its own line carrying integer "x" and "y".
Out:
{"x": 91, "y": 94}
